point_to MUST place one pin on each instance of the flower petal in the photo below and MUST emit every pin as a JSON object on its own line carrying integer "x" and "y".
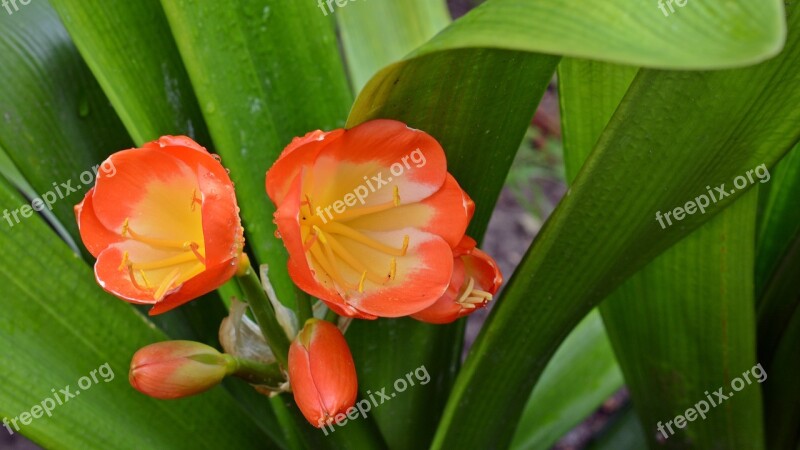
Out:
{"x": 95, "y": 236}
{"x": 446, "y": 213}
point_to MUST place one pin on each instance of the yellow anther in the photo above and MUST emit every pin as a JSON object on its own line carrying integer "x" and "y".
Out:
{"x": 361, "y": 282}
{"x": 396, "y": 196}
{"x": 125, "y": 262}
{"x": 393, "y": 269}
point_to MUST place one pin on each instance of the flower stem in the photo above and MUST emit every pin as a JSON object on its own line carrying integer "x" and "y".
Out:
{"x": 255, "y": 372}
{"x": 264, "y": 313}
{"x": 304, "y": 311}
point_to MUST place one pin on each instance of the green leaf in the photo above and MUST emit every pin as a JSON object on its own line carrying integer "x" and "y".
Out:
{"x": 694, "y": 294}
{"x": 49, "y": 100}
{"x": 699, "y": 308}
{"x": 778, "y": 256}
{"x": 55, "y": 333}
{"x": 736, "y": 33}
{"x": 581, "y": 376}
{"x": 654, "y": 155}
{"x": 624, "y": 433}
{"x": 376, "y": 34}
{"x": 130, "y": 50}
{"x": 264, "y": 71}
{"x": 782, "y": 392}
{"x": 777, "y": 265}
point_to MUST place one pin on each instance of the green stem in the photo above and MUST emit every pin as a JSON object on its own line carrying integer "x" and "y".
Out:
{"x": 332, "y": 317}
{"x": 255, "y": 372}
{"x": 264, "y": 314}
{"x": 304, "y": 310}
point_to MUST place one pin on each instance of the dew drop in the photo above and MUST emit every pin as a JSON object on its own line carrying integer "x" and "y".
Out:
{"x": 277, "y": 234}
{"x": 217, "y": 157}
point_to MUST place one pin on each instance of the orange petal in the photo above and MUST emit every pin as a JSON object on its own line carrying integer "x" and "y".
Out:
{"x": 222, "y": 230}
{"x": 474, "y": 263}
{"x": 446, "y": 213}
{"x": 118, "y": 196}
{"x": 422, "y": 275}
{"x": 300, "y": 154}
{"x": 378, "y": 155}
{"x": 95, "y": 236}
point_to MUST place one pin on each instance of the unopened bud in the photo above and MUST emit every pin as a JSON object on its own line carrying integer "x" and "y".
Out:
{"x": 322, "y": 372}
{"x": 175, "y": 369}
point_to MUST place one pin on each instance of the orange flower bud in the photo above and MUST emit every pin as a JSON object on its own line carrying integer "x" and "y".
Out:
{"x": 475, "y": 280}
{"x": 175, "y": 369}
{"x": 322, "y": 372}
{"x": 369, "y": 216}
{"x": 164, "y": 225}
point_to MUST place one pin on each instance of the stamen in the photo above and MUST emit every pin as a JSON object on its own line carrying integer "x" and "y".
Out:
{"x": 166, "y": 284}
{"x": 344, "y": 230}
{"x": 322, "y": 239}
{"x": 144, "y": 277}
{"x": 164, "y": 243}
{"x": 354, "y": 213}
{"x": 396, "y": 195}
{"x": 309, "y": 242}
{"x": 393, "y": 269}
{"x": 461, "y": 299}
{"x": 167, "y": 262}
{"x": 132, "y": 276}
{"x": 125, "y": 262}
{"x": 351, "y": 260}
{"x": 196, "y": 250}
{"x": 361, "y": 283}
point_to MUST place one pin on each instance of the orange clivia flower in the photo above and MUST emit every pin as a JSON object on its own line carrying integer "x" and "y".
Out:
{"x": 164, "y": 226}
{"x": 475, "y": 280}
{"x": 322, "y": 372}
{"x": 369, "y": 216}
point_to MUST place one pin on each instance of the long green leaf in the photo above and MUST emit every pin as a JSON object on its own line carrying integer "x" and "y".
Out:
{"x": 49, "y": 100}
{"x": 699, "y": 308}
{"x": 376, "y": 34}
{"x": 777, "y": 266}
{"x": 654, "y": 155}
{"x": 729, "y": 34}
{"x": 693, "y": 280}
{"x": 581, "y": 376}
{"x": 130, "y": 50}
{"x": 55, "y": 333}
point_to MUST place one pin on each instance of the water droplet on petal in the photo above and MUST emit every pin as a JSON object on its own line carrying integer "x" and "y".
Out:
{"x": 217, "y": 157}
{"x": 277, "y": 234}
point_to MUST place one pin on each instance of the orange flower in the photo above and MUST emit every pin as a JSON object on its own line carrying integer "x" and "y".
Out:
{"x": 475, "y": 280}
{"x": 369, "y": 217}
{"x": 175, "y": 369}
{"x": 322, "y": 372}
{"x": 165, "y": 228}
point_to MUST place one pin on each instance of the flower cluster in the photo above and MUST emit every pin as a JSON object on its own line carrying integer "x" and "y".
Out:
{"x": 374, "y": 225}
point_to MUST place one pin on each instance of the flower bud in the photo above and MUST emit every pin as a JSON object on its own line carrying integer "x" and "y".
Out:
{"x": 175, "y": 369}
{"x": 322, "y": 372}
